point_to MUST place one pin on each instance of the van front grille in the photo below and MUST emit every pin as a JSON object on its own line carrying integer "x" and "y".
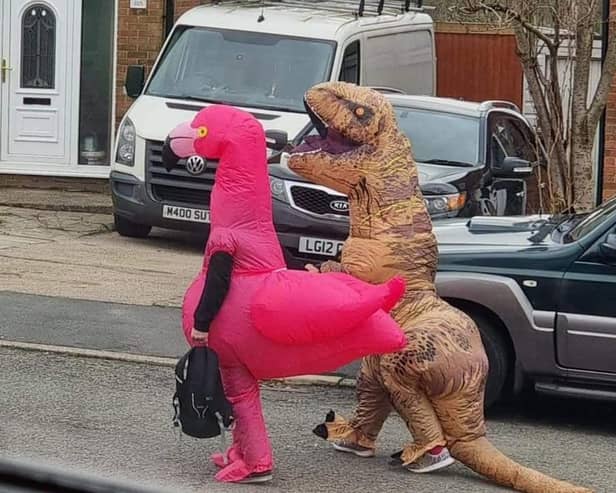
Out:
{"x": 177, "y": 186}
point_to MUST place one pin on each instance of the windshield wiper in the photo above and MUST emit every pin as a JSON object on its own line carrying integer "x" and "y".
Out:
{"x": 554, "y": 223}
{"x": 447, "y": 162}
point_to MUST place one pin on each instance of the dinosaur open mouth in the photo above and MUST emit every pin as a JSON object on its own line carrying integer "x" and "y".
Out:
{"x": 328, "y": 139}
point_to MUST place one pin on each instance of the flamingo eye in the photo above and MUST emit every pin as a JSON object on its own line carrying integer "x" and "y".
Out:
{"x": 202, "y": 132}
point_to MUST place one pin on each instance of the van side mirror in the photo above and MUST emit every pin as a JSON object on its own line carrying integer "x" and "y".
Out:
{"x": 608, "y": 248}
{"x": 513, "y": 167}
{"x": 276, "y": 140}
{"x": 135, "y": 80}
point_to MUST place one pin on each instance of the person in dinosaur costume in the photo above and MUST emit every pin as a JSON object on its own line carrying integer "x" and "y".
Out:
{"x": 262, "y": 320}
{"x": 437, "y": 383}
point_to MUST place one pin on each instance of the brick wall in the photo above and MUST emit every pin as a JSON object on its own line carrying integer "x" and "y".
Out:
{"x": 182, "y": 6}
{"x": 609, "y": 162}
{"x": 140, "y": 37}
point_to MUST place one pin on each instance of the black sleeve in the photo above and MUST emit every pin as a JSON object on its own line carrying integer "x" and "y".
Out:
{"x": 215, "y": 291}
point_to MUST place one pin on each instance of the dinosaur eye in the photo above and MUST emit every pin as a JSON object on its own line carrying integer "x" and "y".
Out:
{"x": 360, "y": 111}
{"x": 202, "y": 132}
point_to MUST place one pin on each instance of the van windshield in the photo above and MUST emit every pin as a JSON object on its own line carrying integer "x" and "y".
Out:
{"x": 241, "y": 68}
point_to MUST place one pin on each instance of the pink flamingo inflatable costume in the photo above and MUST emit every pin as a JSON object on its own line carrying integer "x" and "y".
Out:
{"x": 263, "y": 320}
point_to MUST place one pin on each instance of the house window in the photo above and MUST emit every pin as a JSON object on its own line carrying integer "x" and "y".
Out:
{"x": 96, "y": 87}
{"x": 38, "y": 52}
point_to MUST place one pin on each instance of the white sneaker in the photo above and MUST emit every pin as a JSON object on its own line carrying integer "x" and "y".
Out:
{"x": 352, "y": 448}
{"x": 426, "y": 463}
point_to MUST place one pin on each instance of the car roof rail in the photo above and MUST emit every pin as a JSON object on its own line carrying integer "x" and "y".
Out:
{"x": 387, "y": 90}
{"x": 358, "y": 8}
{"x": 487, "y": 105}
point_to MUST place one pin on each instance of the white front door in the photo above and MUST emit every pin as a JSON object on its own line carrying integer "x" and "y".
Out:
{"x": 36, "y": 80}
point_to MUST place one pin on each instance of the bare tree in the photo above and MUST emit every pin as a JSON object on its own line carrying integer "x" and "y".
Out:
{"x": 568, "y": 130}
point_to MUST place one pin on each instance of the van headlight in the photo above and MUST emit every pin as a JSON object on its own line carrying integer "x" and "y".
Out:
{"x": 278, "y": 188}
{"x": 445, "y": 205}
{"x": 125, "y": 153}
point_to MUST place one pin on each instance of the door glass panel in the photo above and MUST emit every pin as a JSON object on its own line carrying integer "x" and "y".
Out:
{"x": 95, "y": 99}
{"x": 38, "y": 48}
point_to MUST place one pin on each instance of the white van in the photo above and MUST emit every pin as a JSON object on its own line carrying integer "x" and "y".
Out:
{"x": 260, "y": 56}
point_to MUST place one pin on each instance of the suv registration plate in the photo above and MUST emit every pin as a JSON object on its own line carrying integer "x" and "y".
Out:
{"x": 320, "y": 246}
{"x": 186, "y": 214}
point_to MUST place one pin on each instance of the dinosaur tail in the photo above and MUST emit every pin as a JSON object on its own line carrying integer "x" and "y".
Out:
{"x": 485, "y": 459}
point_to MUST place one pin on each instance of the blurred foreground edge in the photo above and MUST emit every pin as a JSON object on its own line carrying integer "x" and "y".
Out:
{"x": 28, "y": 476}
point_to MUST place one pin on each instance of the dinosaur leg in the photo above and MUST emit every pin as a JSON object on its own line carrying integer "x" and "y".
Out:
{"x": 372, "y": 410}
{"x": 253, "y": 452}
{"x": 414, "y": 407}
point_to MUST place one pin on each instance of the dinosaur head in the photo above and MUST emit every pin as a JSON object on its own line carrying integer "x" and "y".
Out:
{"x": 354, "y": 125}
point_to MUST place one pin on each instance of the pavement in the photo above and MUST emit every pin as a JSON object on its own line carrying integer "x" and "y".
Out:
{"x": 77, "y": 255}
{"x": 113, "y": 419}
{"x": 56, "y": 200}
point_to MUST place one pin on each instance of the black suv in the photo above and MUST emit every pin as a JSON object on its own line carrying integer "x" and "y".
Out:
{"x": 473, "y": 160}
{"x": 543, "y": 292}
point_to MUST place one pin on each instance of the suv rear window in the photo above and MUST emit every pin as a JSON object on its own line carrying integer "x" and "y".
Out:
{"x": 440, "y": 136}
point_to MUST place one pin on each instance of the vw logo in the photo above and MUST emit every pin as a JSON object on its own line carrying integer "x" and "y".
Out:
{"x": 195, "y": 165}
{"x": 339, "y": 205}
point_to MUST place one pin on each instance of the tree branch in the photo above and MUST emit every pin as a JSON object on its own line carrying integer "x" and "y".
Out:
{"x": 513, "y": 14}
{"x": 608, "y": 72}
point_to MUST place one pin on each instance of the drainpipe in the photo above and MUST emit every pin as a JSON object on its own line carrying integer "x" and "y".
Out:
{"x": 169, "y": 16}
{"x": 601, "y": 150}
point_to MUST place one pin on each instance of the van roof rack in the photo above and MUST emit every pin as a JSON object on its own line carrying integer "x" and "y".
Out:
{"x": 359, "y": 8}
{"x": 486, "y": 105}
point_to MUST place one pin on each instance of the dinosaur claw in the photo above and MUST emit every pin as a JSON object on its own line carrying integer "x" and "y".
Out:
{"x": 321, "y": 431}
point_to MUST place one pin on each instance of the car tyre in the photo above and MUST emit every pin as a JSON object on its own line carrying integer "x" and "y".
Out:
{"x": 497, "y": 349}
{"x": 130, "y": 229}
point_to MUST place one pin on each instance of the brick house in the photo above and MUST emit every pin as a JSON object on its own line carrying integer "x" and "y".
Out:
{"x": 62, "y": 68}
{"x": 57, "y": 121}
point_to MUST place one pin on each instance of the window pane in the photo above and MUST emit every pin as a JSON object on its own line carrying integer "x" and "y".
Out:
{"x": 436, "y": 135}
{"x": 403, "y": 61}
{"x": 38, "y": 48}
{"x": 242, "y": 68}
{"x": 350, "y": 64}
{"x": 96, "y": 82}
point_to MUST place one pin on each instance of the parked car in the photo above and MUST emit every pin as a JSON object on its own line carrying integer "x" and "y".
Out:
{"x": 543, "y": 292}
{"x": 261, "y": 58}
{"x": 473, "y": 159}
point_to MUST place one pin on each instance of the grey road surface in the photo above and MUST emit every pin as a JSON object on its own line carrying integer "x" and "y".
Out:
{"x": 114, "y": 419}
{"x": 145, "y": 330}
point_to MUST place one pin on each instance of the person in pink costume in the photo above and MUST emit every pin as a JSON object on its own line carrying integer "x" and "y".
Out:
{"x": 263, "y": 320}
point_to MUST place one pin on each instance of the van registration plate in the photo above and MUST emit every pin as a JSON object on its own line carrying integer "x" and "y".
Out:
{"x": 186, "y": 214}
{"x": 320, "y": 246}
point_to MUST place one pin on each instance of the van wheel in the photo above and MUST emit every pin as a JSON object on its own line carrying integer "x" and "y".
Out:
{"x": 128, "y": 228}
{"x": 497, "y": 349}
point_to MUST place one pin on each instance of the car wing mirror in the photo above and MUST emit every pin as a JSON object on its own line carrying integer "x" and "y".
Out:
{"x": 276, "y": 140}
{"x": 608, "y": 248}
{"x": 513, "y": 167}
{"x": 135, "y": 80}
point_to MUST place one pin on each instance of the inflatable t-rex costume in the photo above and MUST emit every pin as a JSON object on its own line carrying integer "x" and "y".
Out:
{"x": 266, "y": 321}
{"x": 437, "y": 383}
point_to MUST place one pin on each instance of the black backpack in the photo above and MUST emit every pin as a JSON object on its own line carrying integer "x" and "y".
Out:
{"x": 201, "y": 408}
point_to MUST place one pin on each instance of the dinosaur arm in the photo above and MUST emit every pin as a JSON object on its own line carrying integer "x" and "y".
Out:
{"x": 331, "y": 266}
{"x": 217, "y": 282}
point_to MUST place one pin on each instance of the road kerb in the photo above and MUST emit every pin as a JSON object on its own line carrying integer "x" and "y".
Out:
{"x": 317, "y": 380}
